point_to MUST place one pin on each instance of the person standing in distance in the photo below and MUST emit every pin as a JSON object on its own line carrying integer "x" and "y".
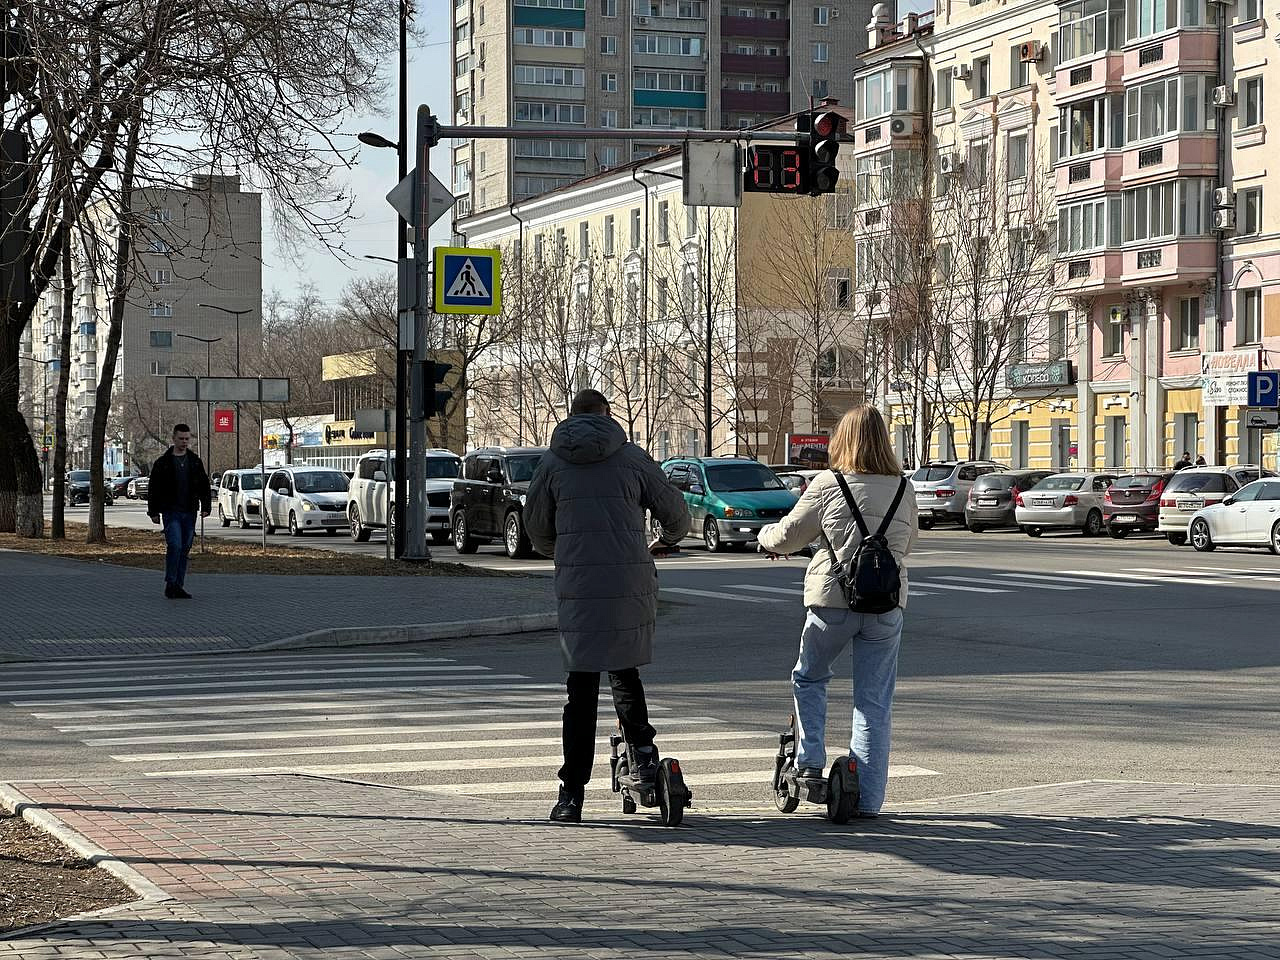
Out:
{"x": 586, "y": 509}
{"x": 861, "y": 451}
{"x": 179, "y": 487}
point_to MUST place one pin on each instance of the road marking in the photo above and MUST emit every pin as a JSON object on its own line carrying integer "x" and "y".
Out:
{"x": 601, "y": 783}
{"x": 930, "y": 585}
{"x": 1248, "y": 574}
{"x": 788, "y": 591}
{"x": 231, "y": 676}
{"x": 177, "y": 716}
{"x": 1186, "y": 574}
{"x": 1093, "y": 583}
{"x": 1144, "y": 577}
{"x": 327, "y": 677}
{"x": 738, "y": 598}
{"x": 212, "y": 662}
{"x": 1012, "y": 583}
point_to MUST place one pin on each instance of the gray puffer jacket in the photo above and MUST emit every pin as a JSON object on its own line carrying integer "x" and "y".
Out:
{"x": 586, "y": 508}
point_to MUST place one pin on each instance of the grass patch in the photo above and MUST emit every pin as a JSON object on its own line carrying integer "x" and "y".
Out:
{"x": 129, "y": 547}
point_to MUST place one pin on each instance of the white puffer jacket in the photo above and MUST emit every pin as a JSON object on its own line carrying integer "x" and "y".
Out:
{"x": 822, "y": 509}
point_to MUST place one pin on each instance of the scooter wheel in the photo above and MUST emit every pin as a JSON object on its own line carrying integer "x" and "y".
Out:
{"x": 784, "y": 800}
{"x": 841, "y": 800}
{"x": 671, "y": 796}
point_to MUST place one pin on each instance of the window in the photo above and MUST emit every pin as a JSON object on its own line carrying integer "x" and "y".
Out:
{"x": 1016, "y": 156}
{"x": 1080, "y": 128}
{"x": 977, "y": 161}
{"x": 550, "y": 149}
{"x": 690, "y": 221}
{"x": 839, "y": 288}
{"x": 549, "y": 76}
{"x": 609, "y": 119}
{"x": 1250, "y": 10}
{"x": 668, "y": 45}
{"x": 662, "y": 297}
{"x": 562, "y": 245}
{"x": 1058, "y": 335}
{"x": 820, "y": 88}
{"x": 1249, "y": 317}
{"x": 663, "y": 117}
{"x": 608, "y": 8}
{"x": 821, "y": 16}
{"x": 771, "y": 86}
{"x": 670, "y": 80}
{"x": 635, "y": 228}
{"x": 537, "y": 250}
{"x": 1250, "y": 218}
{"x": 482, "y": 160}
{"x": 946, "y": 350}
{"x": 609, "y": 46}
{"x": 1112, "y": 339}
{"x": 610, "y": 157}
{"x": 1151, "y": 110}
{"x": 608, "y": 235}
{"x": 538, "y": 37}
{"x": 1186, "y": 329}
{"x": 162, "y": 339}
{"x": 609, "y": 82}
{"x": 1148, "y": 17}
{"x": 1251, "y": 102}
{"x": 944, "y": 261}
{"x": 942, "y": 90}
{"x": 546, "y": 111}
{"x": 664, "y": 227}
{"x": 163, "y": 275}
{"x": 160, "y": 368}
{"x": 1082, "y": 226}
{"x": 981, "y": 79}
{"x": 584, "y": 240}
{"x": 158, "y": 246}
{"x": 162, "y": 309}
{"x": 160, "y": 215}
{"x": 820, "y": 52}
{"x": 1020, "y": 71}
{"x": 1148, "y": 212}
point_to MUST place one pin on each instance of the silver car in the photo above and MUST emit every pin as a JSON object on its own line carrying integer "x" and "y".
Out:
{"x": 1195, "y": 488}
{"x": 1064, "y": 501}
{"x": 942, "y": 488}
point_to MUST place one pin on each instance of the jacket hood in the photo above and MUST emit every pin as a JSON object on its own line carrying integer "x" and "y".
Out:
{"x": 587, "y": 438}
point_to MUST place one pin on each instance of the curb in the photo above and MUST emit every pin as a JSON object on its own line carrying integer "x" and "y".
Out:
{"x": 78, "y": 843}
{"x": 415, "y": 633}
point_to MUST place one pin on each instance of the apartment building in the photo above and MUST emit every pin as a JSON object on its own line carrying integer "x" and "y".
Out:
{"x": 667, "y": 64}
{"x": 1147, "y": 119}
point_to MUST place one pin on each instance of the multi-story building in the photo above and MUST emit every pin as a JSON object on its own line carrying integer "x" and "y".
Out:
{"x": 630, "y": 64}
{"x": 613, "y": 283}
{"x": 1144, "y": 121}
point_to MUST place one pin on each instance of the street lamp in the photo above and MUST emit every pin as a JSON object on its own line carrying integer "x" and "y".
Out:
{"x": 237, "y": 314}
{"x": 371, "y": 139}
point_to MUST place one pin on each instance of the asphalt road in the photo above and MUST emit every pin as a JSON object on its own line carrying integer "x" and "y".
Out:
{"x": 1024, "y": 661}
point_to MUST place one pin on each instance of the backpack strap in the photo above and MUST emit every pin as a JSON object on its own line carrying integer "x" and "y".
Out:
{"x": 893, "y": 508}
{"x": 853, "y": 507}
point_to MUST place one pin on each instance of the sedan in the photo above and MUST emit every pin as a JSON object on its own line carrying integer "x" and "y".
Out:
{"x": 1250, "y": 517}
{"x": 1132, "y": 503}
{"x": 991, "y": 499}
{"x": 1063, "y": 501}
{"x": 120, "y": 486}
{"x": 138, "y": 488}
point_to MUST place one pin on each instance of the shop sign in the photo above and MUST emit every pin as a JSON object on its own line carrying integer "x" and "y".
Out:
{"x": 1036, "y": 376}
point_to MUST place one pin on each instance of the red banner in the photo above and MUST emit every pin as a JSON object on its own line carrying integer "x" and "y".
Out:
{"x": 224, "y": 421}
{"x": 809, "y": 450}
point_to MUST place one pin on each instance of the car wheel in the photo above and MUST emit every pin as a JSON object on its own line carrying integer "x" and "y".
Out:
{"x": 926, "y": 523}
{"x": 268, "y": 527}
{"x": 1117, "y": 533}
{"x": 513, "y": 537}
{"x": 1033, "y": 531}
{"x": 1201, "y": 538}
{"x": 359, "y": 533}
{"x": 976, "y": 527}
{"x": 1177, "y": 539}
{"x": 439, "y": 536}
{"x": 1275, "y": 539}
{"x": 1092, "y": 524}
{"x": 294, "y": 529}
{"x": 463, "y": 542}
{"x": 711, "y": 535}
{"x": 223, "y": 518}
{"x": 241, "y": 519}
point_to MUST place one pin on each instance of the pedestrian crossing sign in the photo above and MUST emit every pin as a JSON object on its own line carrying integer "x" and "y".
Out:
{"x": 467, "y": 280}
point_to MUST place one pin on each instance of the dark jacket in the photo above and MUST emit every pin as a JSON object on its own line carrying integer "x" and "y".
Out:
{"x": 160, "y": 490}
{"x": 586, "y": 508}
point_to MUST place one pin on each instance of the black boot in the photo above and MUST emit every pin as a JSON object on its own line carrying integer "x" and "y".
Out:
{"x": 568, "y": 808}
{"x": 646, "y": 770}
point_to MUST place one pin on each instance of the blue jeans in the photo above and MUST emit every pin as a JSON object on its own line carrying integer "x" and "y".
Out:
{"x": 179, "y": 531}
{"x": 875, "y": 638}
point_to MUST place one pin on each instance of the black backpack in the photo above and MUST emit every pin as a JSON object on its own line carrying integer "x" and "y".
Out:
{"x": 871, "y": 583}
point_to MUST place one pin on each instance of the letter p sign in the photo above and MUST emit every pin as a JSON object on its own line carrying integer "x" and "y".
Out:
{"x": 1264, "y": 388}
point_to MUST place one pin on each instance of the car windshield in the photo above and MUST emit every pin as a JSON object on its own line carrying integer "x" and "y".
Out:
{"x": 80, "y": 476}
{"x": 1138, "y": 480}
{"x": 321, "y": 481}
{"x": 740, "y": 477}
{"x": 520, "y": 469}
{"x": 1197, "y": 483}
{"x": 250, "y": 481}
{"x": 1060, "y": 483}
{"x": 444, "y": 468}
{"x": 933, "y": 474}
{"x": 994, "y": 481}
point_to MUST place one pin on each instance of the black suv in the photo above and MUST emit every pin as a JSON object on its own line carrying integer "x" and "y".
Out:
{"x": 488, "y": 498}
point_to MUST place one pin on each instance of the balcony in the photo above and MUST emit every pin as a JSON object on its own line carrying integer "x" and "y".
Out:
{"x": 1187, "y": 51}
{"x": 752, "y": 65}
{"x": 760, "y": 28}
{"x": 756, "y": 101}
{"x": 1084, "y": 79}
{"x": 1078, "y": 176}
{"x": 1190, "y": 155}
{"x": 1173, "y": 261}
{"x": 1089, "y": 272}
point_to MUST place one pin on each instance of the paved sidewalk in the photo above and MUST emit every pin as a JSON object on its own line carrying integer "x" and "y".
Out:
{"x": 295, "y": 867}
{"x": 74, "y": 608}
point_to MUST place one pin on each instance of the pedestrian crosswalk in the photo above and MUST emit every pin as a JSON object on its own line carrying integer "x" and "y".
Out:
{"x": 939, "y": 585}
{"x": 403, "y": 718}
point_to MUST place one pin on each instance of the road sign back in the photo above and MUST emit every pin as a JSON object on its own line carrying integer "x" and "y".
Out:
{"x": 467, "y": 280}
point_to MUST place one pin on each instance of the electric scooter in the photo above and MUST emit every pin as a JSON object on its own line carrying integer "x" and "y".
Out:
{"x": 667, "y": 791}
{"x": 838, "y": 790}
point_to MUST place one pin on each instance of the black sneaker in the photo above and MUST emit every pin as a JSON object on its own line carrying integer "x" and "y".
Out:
{"x": 646, "y": 770}
{"x": 180, "y": 594}
{"x": 810, "y": 773}
{"x": 568, "y": 808}
{"x": 168, "y": 592}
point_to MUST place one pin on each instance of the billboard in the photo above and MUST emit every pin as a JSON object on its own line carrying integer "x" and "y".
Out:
{"x": 808, "y": 450}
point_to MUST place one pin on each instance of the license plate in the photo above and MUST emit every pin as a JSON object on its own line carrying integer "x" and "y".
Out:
{"x": 986, "y": 502}
{"x": 1043, "y": 503}
{"x": 1190, "y": 504}
{"x": 1124, "y": 519}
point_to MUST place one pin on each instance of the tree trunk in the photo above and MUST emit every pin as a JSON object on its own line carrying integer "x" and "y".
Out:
{"x": 121, "y": 274}
{"x": 59, "y": 531}
{"x": 21, "y": 497}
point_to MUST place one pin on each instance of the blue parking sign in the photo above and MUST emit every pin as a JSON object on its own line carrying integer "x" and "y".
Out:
{"x": 467, "y": 280}
{"x": 1264, "y": 388}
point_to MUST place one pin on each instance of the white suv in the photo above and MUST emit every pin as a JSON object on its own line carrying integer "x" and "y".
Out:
{"x": 371, "y": 505}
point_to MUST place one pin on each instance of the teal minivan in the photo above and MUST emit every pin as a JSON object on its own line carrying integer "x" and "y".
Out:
{"x": 729, "y": 498}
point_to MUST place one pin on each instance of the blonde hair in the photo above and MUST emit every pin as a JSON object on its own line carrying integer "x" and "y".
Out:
{"x": 861, "y": 444}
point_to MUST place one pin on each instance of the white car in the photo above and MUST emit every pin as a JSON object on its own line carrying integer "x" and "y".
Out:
{"x": 240, "y": 498}
{"x": 305, "y": 499}
{"x": 1250, "y": 517}
{"x": 1195, "y": 488}
{"x": 371, "y": 506}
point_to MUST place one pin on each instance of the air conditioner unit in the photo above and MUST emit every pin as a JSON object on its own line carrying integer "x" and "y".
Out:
{"x": 835, "y": 13}
{"x": 950, "y": 163}
{"x": 642, "y": 20}
{"x": 902, "y": 127}
{"x": 960, "y": 71}
{"x": 1223, "y": 96}
{"x": 1118, "y": 314}
{"x": 1031, "y": 51}
{"x": 1224, "y": 219}
{"x": 1224, "y": 197}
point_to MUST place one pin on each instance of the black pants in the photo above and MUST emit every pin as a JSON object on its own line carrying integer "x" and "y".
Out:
{"x": 580, "y": 720}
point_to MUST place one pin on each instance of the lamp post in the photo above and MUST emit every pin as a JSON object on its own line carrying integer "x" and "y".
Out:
{"x": 208, "y": 440}
{"x": 237, "y": 314}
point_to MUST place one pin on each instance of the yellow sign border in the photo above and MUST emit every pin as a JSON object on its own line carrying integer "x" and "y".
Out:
{"x": 489, "y": 253}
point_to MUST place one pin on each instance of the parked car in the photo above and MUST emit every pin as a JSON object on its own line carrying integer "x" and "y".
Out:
{"x": 795, "y": 482}
{"x": 78, "y": 488}
{"x": 372, "y": 506}
{"x": 487, "y": 502}
{"x": 1064, "y": 501}
{"x": 730, "y": 498}
{"x": 240, "y": 497}
{"x": 1250, "y": 517}
{"x": 1132, "y": 503}
{"x": 305, "y": 498}
{"x": 119, "y": 486}
{"x": 138, "y": 488}
{"x": 991, "y": 498}
{"x": 942, "y": 488}
{"x": 1194, "y": 488}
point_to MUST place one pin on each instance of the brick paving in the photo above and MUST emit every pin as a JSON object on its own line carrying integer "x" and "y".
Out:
{"x": 298, "y": 867}
{"x": 72, "y": 608}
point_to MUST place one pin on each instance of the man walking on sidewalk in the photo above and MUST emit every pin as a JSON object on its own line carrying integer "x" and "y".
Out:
{"x": 586, "y": 509}
{"x": 179, "y": 487}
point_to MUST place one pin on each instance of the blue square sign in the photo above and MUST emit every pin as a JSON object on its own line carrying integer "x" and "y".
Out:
{"x": 467, "y": 280}
{"x": 1264, "y": 388}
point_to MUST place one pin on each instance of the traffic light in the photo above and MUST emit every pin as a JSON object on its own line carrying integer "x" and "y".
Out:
{"x": 824, "y": 144}
{"x": 434, "y": 401}
{"x": 775, "y": 168}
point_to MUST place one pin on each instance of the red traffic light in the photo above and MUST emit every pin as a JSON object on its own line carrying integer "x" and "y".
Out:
{"x": 827, "y": 124}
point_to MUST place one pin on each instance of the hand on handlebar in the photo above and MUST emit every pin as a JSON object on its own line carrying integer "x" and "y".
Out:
{"x": 659, "y": 549}
{"x": 772, "y": 556}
